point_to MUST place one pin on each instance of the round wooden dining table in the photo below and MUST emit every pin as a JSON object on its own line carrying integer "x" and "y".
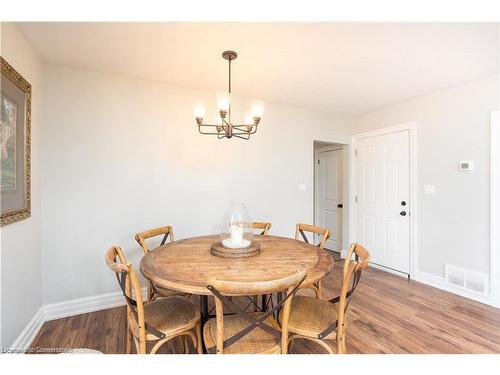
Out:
{"x": 188, "y": 266}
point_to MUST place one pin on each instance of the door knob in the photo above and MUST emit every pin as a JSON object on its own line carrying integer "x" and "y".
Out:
{"x": 403, "y": 203}
{"x": 340, "y": 205}
{"x": 403, "y": 213}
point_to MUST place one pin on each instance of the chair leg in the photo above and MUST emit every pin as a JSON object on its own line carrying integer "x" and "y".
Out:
{"x": 290, "y": 342}
{"x": 137, "y": 346}
{"x": 322, "y": 343}
{"x": 158, "y": 344}
{"x": 185, "y": 343}
{"x": 341, "y": 348}
{"x": 317, "y": 289}
{"x": 328, "y": 348}
{"x": 199, "y": 338}
{"x": 128, "y": 344}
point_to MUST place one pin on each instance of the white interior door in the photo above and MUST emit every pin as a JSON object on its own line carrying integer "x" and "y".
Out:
{"x": 383, "y": 198}
{"x": 329, "y": 196}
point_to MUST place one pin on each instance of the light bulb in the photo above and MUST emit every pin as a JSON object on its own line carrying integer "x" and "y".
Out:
{"x": 257, "y": 108}
{"x": 199, "y": 112}
{"x": 248, "y": 119}
{"x": 223, "y": 101}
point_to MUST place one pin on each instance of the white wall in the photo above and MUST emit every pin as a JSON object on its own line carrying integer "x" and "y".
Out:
{"x": 124, "y": 155}
{"x": 21, "y": 241}
{"x": 452, "y": 125}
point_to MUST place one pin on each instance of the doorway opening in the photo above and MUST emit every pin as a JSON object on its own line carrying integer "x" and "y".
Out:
{"x": 331, "y": 194}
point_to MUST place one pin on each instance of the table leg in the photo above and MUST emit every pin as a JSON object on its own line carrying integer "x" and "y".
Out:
{"x": 204, "y": 317}
{"x": 263, "y": 300}
{"x": 204, "y": 309}
{"x": 279, "y": 297}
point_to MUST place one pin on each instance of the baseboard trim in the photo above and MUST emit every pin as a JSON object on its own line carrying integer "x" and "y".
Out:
{"x": 29, "y": 332}
{"x": 64, "y": 309}
{"x": 390, "y": 270}
{"x": 439, "y": 283}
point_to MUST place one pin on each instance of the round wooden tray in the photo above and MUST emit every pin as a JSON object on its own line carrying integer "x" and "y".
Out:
{"x": 223, "y": 252}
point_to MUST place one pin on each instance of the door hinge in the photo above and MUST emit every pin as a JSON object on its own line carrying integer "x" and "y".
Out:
{"x": 356, "y": 152}
{"x": 318, "y": 161}
{"x": 355, "y": 199}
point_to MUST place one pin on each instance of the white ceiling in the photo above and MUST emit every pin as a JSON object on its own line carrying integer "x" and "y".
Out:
{"x": 347, "y": 68}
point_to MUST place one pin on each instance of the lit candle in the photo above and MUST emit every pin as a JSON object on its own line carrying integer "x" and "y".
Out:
{"x": 236, "y": 236}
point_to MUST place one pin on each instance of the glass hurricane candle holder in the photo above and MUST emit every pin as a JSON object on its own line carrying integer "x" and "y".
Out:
{"x": 237, "y": 232}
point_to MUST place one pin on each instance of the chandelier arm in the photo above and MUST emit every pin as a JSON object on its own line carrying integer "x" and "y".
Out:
{"x": 221, "y": 136}
{"x": 243, "y": 127}
{"x": 225, "y": 128}
{"x": 239, "y": 136}
{"x": 241, "y": 132}
{"x": 205, "y": 133}
{"x": 252, "y": 131}
{"x": 209, "y": 125}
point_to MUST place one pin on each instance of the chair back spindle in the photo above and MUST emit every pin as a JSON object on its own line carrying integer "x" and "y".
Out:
{"x": 262, "y": 227}
{"x": 166, "y": 231}
{"x": 322, "y": 233}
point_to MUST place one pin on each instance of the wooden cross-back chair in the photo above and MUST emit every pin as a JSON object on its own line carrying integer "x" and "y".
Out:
{"x": 168, "y": 235}
{"x": 264, "y": 227}
{"x": 315, "y": 319}
{"x": 159, "y": 320}
{"x": 319, "y": 233}
{"x": 241, "y": 332}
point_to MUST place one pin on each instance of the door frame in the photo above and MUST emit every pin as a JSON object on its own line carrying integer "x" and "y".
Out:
{"x": 495, "y": 209}
{"x": 411, "y": 127}
{"x": 316, "y": 183}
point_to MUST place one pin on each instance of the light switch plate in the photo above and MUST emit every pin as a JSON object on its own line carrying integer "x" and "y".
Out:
{"x": 429, "y": 189}
{"x": 302, "y": 187}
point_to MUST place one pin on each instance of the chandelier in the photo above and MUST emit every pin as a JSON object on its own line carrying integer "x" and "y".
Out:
{"x": 223, "y": 127}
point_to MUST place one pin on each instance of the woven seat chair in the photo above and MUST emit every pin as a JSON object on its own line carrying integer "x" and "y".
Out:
{"x": 322, "y": 235}
{"x": 155, "y": 291}
{"x": 160, "y": 320}
{"x": 315, "y": 319}
{"x": 243, "y": 332}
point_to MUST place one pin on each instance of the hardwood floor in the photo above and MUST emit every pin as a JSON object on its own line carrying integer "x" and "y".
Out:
{"x": 387, "y": 314}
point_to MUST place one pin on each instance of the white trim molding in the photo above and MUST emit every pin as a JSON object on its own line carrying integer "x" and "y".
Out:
{"x": 411, "y": 127}
{"x": 64, "y": 309}
{"x": 495, "y": 209}
{"x": 29, "y": 333}
{"x": 82, "y": 305}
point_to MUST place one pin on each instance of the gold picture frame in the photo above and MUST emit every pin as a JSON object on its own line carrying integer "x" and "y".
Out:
{"x": 15, "y": 145}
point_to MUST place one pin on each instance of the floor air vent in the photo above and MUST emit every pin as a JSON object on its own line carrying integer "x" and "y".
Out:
{"x": 462, "y": 278}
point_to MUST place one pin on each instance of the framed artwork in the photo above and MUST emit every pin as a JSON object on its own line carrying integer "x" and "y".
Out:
{"x": 15, "y": 145}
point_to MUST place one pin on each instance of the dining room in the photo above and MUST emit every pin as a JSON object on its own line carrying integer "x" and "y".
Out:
{"x": 298, "y": 188}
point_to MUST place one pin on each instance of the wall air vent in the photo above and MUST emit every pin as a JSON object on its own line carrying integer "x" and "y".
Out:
{"x": 471, "y": 281}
